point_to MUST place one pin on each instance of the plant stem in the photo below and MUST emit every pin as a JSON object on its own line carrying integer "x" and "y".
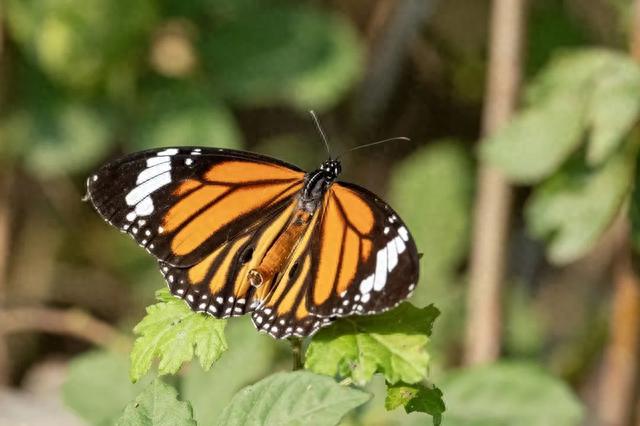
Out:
{"x": 493, "y": 200}
{"x": 296, "y": 351}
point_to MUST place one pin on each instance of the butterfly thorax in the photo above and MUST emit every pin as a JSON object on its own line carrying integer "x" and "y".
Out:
{"x": 316, "y": 184}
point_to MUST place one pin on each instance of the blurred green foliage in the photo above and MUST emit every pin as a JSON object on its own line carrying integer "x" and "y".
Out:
{"x": 572, "y": 139}
{"x": 100, "y": 373}
{"x": 90, "y": 80}
{"x": 83, "y": 45}
{"x": 157, "y": 405}
{"x": 509, "y": 394}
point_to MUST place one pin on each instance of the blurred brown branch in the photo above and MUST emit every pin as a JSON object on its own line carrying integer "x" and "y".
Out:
{"x": 71, "y": 322}
{"x": 620, "y": 364}
{"x": 493, "y": 200}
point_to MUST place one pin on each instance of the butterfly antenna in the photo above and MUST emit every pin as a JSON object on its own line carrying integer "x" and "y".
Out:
{"x": 367, "y": 145}
{"x": 324, "y": 137}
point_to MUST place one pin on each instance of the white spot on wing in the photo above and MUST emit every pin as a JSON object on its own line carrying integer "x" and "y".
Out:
{"x": 366, "y": 285}
{"x": 403, "y": 233}
{"x": 141, "y": 191}
{"x": 131, "y": 216}
{"x": 400, "y": 245}
{"x": 153, "y": 161}
{"x": 381, "y": 270}
{"x": 392, "y": 256}
{"x": 144, "y": 207}
{"x": 151, "y": 172}
{"x": 169, "y": 151}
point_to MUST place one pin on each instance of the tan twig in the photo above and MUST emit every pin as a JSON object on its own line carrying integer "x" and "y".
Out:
{"x": 493, "y": 200}
{"x": 71, "y": 322}
{"x": 620, "y": 363}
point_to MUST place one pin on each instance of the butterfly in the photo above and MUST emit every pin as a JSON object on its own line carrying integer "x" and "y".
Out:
{"x": 236, "y": 232}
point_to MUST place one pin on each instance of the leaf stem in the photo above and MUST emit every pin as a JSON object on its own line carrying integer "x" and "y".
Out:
{"x": 296, "y": 351}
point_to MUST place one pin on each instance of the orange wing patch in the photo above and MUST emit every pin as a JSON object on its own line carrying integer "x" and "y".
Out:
{"x": 349, "y": 265}
{"x": 226, "y": 209}
{"x": 220, "y": 277}
{"x": 191, "y": 204}
{"x": 198, "y": 272}
{"x": 245, "y": 171}
{"x": 187, "y": 186}
{"x": 344, "y": 244}
{"x": 358, "y": 213}
{"x": 287, "y": 304}
{"x": 333, "y": 228}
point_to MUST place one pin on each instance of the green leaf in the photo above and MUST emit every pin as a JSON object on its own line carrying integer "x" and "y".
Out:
{"x": 417, "y": 397}
{"x": 573, "y": 208}
{"x": 569, "y": 71}
{"x": 590, "y": 92}
{"x": 184, "y": 115}
{"x": 538, "y": 140}
{"x": 394, "y": 344}
{"x": 99, "y": 373}
{"x": 83, "y": 43}
{"x": 249, "y": 359}
{"x": 157, "y": 405}
{"x": 614, "y": 109}
{"x": 509, "y": 394}
{"x": 297, "y": 398}
{"x": 174, "y": 333}
{"x": 316, "y": 54}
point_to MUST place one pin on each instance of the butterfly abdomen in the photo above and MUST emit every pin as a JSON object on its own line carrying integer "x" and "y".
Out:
{"x": 276, "y": 258}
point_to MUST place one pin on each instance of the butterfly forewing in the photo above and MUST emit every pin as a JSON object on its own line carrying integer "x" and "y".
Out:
{"x": 182, "y": 203}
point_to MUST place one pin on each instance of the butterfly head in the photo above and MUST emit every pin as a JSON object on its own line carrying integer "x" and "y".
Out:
{"x": 331, "y": 169}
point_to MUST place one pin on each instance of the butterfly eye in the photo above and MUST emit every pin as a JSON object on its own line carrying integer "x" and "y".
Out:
{"x": 246, "y": 256}
{"x": 293, "y": 272}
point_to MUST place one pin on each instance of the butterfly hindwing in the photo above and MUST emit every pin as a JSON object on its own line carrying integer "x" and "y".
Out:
{"x": 358, "y": 258}
{"x": 181, "y": 204}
